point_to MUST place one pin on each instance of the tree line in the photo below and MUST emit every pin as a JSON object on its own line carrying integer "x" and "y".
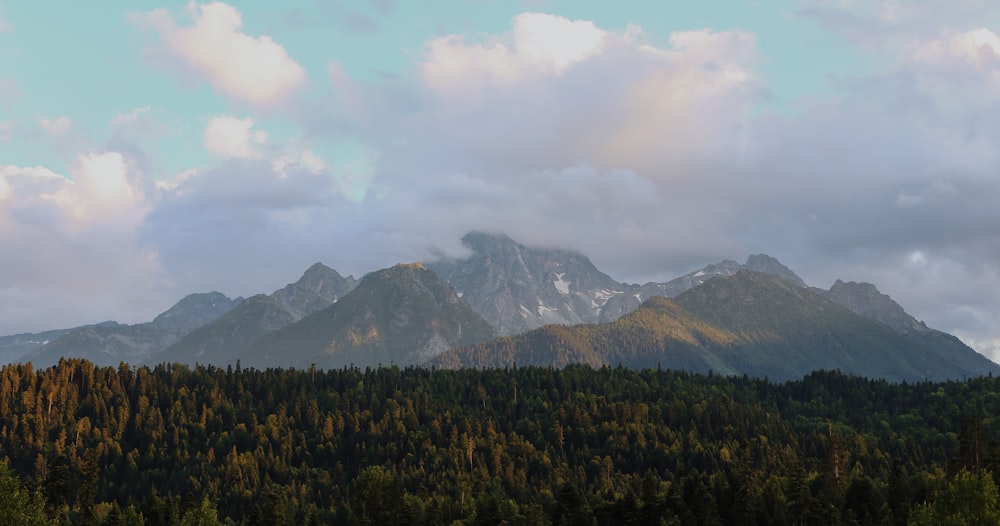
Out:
{"x": 170, "y": 444}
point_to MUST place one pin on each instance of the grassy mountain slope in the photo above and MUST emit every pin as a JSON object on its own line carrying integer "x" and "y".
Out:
{"x": 403, "y": 315}
{"x": 658, "y": 333}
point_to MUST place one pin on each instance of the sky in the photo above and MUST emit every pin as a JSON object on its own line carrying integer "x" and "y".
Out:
{"x": 152, "y": 150}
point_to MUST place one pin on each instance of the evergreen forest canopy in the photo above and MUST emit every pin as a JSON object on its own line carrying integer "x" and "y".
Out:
{"x": 175, "y": 445}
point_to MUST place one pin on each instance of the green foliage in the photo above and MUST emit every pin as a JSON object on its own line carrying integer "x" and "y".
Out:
{"x": 203, "y": 515}
{"x": 969, "y": 499}
{"x": 173, "y": 445}
{"x": 18, "y": 505}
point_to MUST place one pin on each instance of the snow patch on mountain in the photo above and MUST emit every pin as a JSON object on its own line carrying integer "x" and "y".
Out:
{"x": 561, "y": 285}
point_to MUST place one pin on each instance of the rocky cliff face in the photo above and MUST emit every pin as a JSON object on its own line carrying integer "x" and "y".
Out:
{"x": 517, "y": 288}
{"x": 318, "y": 288}
{"x": 866, "y": 300}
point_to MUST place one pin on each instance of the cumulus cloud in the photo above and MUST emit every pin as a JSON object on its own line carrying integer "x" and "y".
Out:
{"x": 978, "y": 49}
{"x": 69, "y": 240}
{"x": 231, "y": 137}
{"x": 537, "y": 44}
{"x": 256, "y": 70}
{"x": 606, "y": 98}
{"x": 102, "y": 196}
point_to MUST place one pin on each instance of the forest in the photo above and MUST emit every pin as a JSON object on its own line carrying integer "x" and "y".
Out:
{"x": 88, "y": 445}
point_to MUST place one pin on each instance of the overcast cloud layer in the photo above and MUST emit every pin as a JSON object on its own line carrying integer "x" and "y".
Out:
{"x": 651, "y": 154}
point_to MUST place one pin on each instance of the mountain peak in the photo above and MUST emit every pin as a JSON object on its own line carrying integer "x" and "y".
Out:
{"x": 487, "y": 241}
{"x": 195, "y": 310}
{"x": 866, "y": 300}
{"x": 404, "y": 314}
{"x": 769, "y": 265}
{"x": 416, "y": 265}
{"x": 318, "y": 287}
{"x": 518, "y": 288}
{"x": 317, "y": 269}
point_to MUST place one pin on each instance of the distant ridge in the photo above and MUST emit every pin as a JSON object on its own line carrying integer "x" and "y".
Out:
{"x": 108, "y": 344}
{"x": 221, "y": 340}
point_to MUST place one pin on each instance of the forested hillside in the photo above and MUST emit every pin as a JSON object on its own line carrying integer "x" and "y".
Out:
{"x": 172, "y": 445}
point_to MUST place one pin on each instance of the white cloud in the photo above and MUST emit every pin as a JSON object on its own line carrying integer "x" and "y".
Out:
{"x": 606, "y": 98}
{"x": 5, "y": 26}
{"x": 100, "y": 195}
{"x": 231, "y": 137}
{"x": 70, "y": 249}
{"x": 554, "y": 40}
{"x": 106, "y": 192}
{"x": 979, "y": 49}
{"x": 256, "y": 70}
{"x": 537, "y": 44}
{"x": 234, "y": 138}
{"x": 960, "y": 72}
{"x": 55, "y": 127}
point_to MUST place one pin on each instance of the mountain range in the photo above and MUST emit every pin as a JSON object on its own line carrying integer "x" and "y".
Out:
{"x": 507, "y": 304}
{"x": 748, "y": 323}
{"x": 221, "y": 340}
{"x": 403, "y": 315}
{"x": 112, "y": 343}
